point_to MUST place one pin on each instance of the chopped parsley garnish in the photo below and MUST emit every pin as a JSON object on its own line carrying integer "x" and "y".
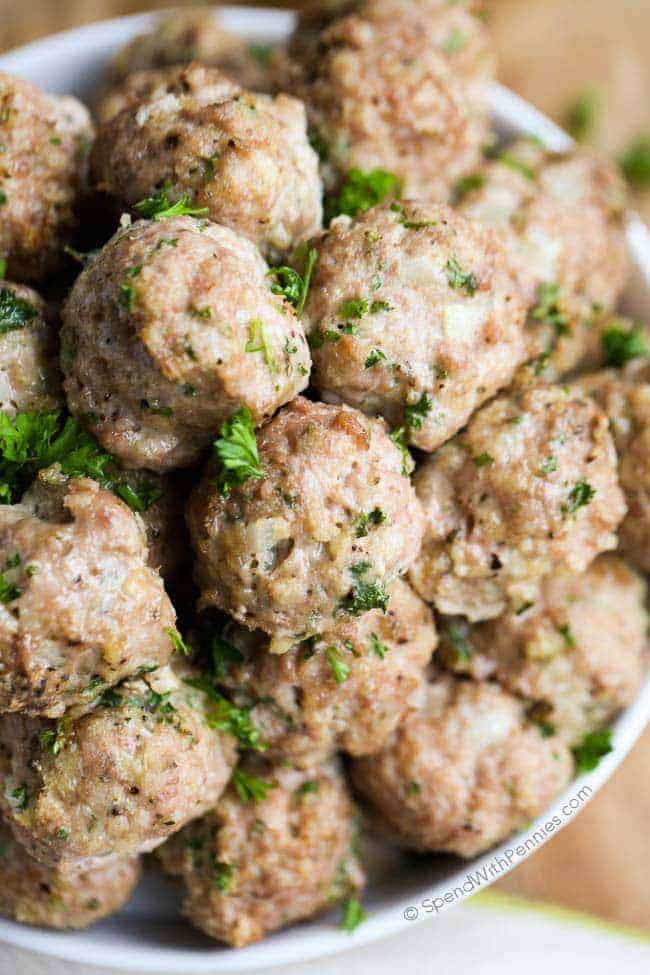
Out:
{"x": 365, "y": 522}
{"x": 594, "y": 746}
{"x": 8, "y": 590}
{"x": 258, "y": 342}
{"x": 581, "y": 115}
{"x": 3, "y": 197}
{"x": 21, "y": 796}
{"x": 416, "y": 413}
{"x": 222, "y": 655}
{"x": 340, "y": 669}
{"x": 621, "y": 345}
{"x": 353, "y": 915}
{"x": 178, "y": 643}
{"x": 460, "y": 279}
{"x": 548, "y": 311}
{"x": 354, "y": 308}
{"x": 365, "y": 595}
{"x": 236, "y": 451}
{"x": 458, "y": 632}
{"x": 567, "y": 635}
{"x": 378, "y": 648}
{"x": 159, "y": 206}
{"x": 291, "y": 284}
{"x": 484, "y": 460}
{"x": 225, "y": 716}
{"x": 399, "y": 439}
{"x": 311, "y": 786}
{"x": 549, "y": 466}
{"x": 204, "y": 313}
{"x": 455, "y": 42}
{"x": 127, "y": 296}
{"x": 580, "y": 495}
{"x": 635, "y": 163}
{"x": 467, "y": 184}
{"x": 249, "y": 788}
{"x": 374, "y": 358}
{"x": 361, "y": 191}
{"x": 52, "y": 739}
{"x": 406, "y": 221}
{"x": 224, "y": 874}
{"x": 139, "y": 498}
{"x": 512, "y": 162}
{"x": 15, "y": 312}
{"x": 261, "y": 53}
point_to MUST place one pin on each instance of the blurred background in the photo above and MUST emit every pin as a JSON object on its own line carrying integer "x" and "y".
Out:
{"x": 587, "y": 64}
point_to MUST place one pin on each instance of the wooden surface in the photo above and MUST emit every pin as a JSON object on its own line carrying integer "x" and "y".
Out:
{"x": 550, "y": 51}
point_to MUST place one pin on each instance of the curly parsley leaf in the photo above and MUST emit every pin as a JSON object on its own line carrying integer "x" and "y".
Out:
{"x": 236, "y": 452}
{"x": 15, "y": 312}
{"x": 361, "y": 191}
{"x": 249, "y": 788}
{"x": 291, "y": 284}
{"x": 225, "y": 716}
{"x": 621, "y": 345}
{"x": 365, "y": 594}
{"x": 594, "y": 746}
{"x": 160, "y": 207}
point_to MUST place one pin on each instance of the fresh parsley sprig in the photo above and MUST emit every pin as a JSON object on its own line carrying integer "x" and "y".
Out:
{"x": 160, "y": 207}
{"x": 236, "y": 452}
{"x": 292, "y": 285}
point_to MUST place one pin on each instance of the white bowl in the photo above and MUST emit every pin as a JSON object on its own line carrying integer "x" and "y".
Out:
{"x": 148, "y": 935}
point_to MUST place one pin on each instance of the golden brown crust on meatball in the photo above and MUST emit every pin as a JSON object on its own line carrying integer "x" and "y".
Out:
{"x": 529, "y": 486}
{"x": 42, "y": 176}
{"x": 415, "y": 314}
{"x": 167, "y": 332}
{"x": 576, "y": 652}
{"x": 393, "y": 89}
{"x": 81, "y": 608}
{"x": 464, "y": 772}
{"x": 118, "y": 780}
{"x": 29, "y": 369}
{"x": 32, "y": 893}
{"x": 250, "y": 867}
{"x": 283, "y": 553}
{"x": 244, "y": 157}
{"x": 346, "y": 689}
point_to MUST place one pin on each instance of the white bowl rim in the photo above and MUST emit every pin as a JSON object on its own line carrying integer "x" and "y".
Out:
{"x": 319, "y": 940}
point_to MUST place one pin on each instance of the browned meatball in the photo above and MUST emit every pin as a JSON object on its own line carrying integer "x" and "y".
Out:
{"x": 192, "y": 34}
{"x": 42, "y": 176}
{"x": 345, "y": 689}
{"x": 32, "y": 893}
{"x": 402, "y": 88}
{"x": 625, "y": 398}
{"x": 80, "y": 608}
{"x": 243, "y": 157}
{"x": 284, "y": 551}
{"x": 576, "y": 652}
{"x": 562, "y": 217}
{"x": 167, "y": 332}
{"x": 464, "y": 772}
{"x": 274, "y": 851}
{"x": 117, "y": 781}
{"x": 415, "y": 313}
{"x": 529, "y": 486}
{"x": 29, "y": 372}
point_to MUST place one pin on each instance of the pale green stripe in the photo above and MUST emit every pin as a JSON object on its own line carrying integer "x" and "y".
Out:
{"x": 498, "y": 901}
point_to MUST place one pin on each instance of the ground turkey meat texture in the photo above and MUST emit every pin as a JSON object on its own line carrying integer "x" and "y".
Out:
{"x": 576, "y": 653}
{"x": 416, "y": 314}
{"x": 157, "y": 500}
{"x": 346, "y": 689}
{"x": 42, "y": 176}
{"x": 284, "y": 553}
{"x": 29, "y": 371}
{"x": 244, "y": 157}
{"x": 250, "y": 867}
{"x": 563, "y": 219}
{"x": 167, "y": 332}
{"x": 384, "y": 92}
{"x": 624, "y": 395}
{"x": 117, "y": 781}
{"x": 80, "y": 609}
{"x": 528, "y": 487}
{"x": 463, "y": 773}
{"x": 194, "y": 34}
{"x": 33, "y": 893}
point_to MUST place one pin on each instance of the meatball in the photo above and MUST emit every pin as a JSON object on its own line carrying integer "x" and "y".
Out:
{"x": 32, "y": 893}
{"x": 346, "y": 689}
{"x": 332, "y": 521}
{"x": 266, "y": 858}
{"x": 118, "y": 780}
{"x": 414, "y": 313}
{"x": 464, "y": 772}
{"x": 625, "y": 398}
{"x": 167, "y": 332}
{"x": 80, "y": 609}
{"x": 562, "y": 215}
{"x": 243, "y": 158}
{"x": 528, "y": 487}
{"x": 29, "y": 374}
{"x": 45, "y": 141}
{"x": 576, "y": 652}
{"x": 402, "y": 88}
{"x": 192, "y": 34}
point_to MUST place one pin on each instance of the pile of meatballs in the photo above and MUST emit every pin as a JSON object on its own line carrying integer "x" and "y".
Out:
{"x": 324, "y": 461}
